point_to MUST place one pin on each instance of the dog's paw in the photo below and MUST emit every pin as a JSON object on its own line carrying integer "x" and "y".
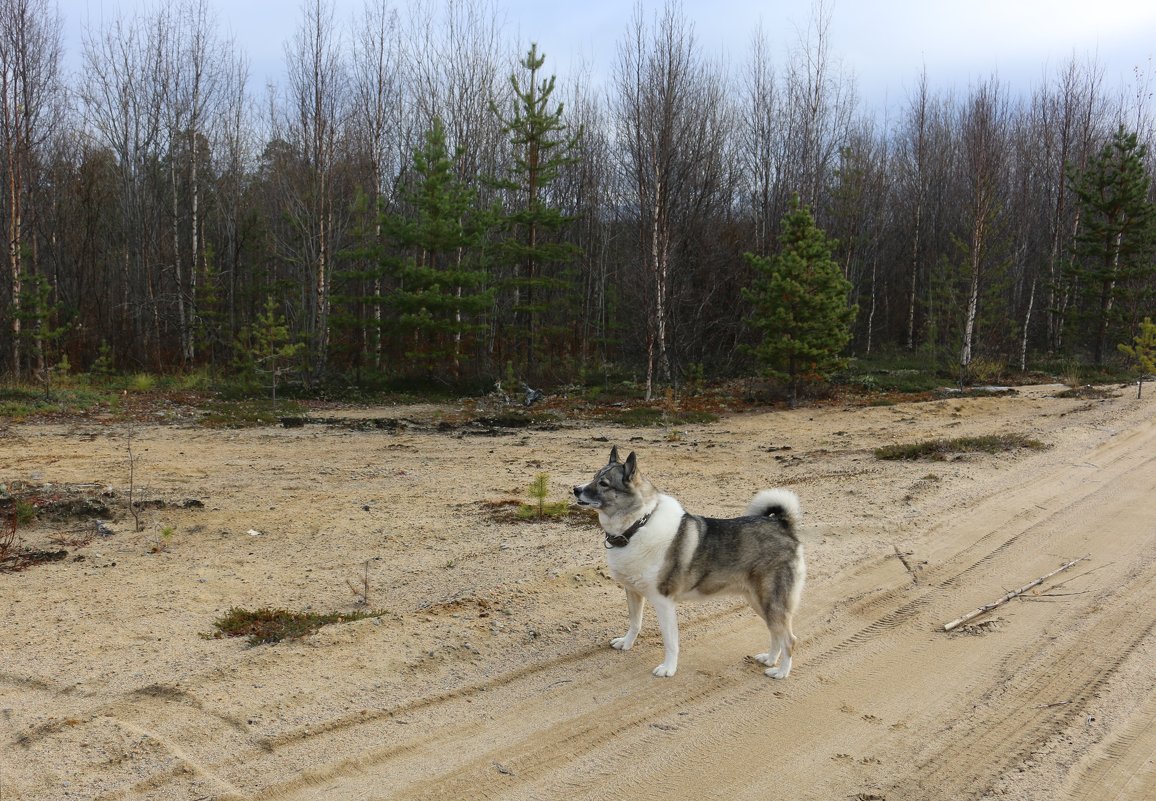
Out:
{"x": 664, "y": 672}
{"x": 778, "y": 672}
{"x": 622, "y": 643}
{"x": 766, "y": 659}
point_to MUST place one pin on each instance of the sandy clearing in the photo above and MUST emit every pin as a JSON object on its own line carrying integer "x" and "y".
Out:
{"x": 490, "y": 673}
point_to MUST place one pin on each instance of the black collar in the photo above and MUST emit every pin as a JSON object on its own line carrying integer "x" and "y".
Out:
{"x": 623, "y": 539}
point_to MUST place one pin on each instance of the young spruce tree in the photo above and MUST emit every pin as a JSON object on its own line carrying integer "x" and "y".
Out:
{"x": 800, "y": 304}
{"x": 439, "y": 260}
{"x": 532, "y": 246}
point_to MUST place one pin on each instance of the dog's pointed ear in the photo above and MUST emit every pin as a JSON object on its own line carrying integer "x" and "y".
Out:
{"x": 631, "y": 467}
{"x": 614, "y": 455}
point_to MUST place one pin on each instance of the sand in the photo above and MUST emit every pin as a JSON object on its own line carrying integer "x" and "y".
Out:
{"x": 488, "y": 673}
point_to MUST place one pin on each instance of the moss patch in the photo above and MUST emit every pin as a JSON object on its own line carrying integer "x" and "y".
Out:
{"x": 269, "y": 625}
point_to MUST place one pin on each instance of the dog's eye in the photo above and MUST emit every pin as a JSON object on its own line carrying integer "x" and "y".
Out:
{"x": 604, "y": 483}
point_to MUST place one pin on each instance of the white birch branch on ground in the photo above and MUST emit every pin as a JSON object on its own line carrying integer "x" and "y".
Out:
{"x": 973, "y": 614}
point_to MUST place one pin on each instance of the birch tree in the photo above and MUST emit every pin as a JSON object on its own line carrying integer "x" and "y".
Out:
{"x": 666, "y": 115}
{"x": 983, "y": 130}
{"x": 761, "y": 140}
{"x": 231, "y": 230}
{"x": 195, "y": 64}
{"x": 313, "y": 118}
{"x": 376, "y": 130}
{"x": 30, "y": 103}
{"x": 921, "y": 165}
{"x": 123, "y": 102}
{"x": 819, "y": 105}
{"x": 1068, "y": 112}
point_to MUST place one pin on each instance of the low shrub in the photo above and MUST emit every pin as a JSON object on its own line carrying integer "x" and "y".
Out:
{"x": 940, "y": 449}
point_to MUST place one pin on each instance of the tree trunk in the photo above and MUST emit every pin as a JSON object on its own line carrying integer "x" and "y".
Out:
{"x": 182, "y": 320}
{"x": 1027, "y": 325}
{"x": 1107, "y": 295}
{"x": 972, "y": 307}
{"x": 912, "y": 295}
{"x": 15, "y": 268}
{"x": 194, "y": 247}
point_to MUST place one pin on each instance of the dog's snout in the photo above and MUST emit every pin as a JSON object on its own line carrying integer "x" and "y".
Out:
{"x": 578, "y": 490}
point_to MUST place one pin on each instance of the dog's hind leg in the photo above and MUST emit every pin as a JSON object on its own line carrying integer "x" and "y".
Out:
{"x": 772, "y": 656}
{"x": 634, "y": 605}
{"x": 668, "y": 625}
{"x": 778, "y": 659}
{"x": 782, "y": 647}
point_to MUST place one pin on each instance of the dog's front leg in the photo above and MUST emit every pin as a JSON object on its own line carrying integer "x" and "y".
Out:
{"x": 668, "y": 625}
{"x": 634, "y": 604}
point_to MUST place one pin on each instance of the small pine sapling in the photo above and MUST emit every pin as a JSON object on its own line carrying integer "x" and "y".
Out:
{"x": 540, "y": 509}
{"x": 539, "y": 490}
{"x": 104, "y": 367}
{"x": 1143, "y": 352}
{"x": 162, "y": 535}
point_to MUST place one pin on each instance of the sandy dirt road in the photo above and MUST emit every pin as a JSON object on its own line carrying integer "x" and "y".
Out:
{"x": 489, "y": 675}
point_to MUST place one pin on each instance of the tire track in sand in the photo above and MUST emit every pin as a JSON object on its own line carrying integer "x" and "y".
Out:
{"x": 1127, "y": 769}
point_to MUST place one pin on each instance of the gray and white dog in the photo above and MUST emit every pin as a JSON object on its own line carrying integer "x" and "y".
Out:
{"x": 661, "y": 553}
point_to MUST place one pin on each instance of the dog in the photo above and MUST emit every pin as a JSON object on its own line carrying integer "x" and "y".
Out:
{"x": 663, "y": 554}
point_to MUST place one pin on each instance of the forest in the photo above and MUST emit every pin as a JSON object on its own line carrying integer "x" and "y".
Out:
{"x": 425, "y": 199}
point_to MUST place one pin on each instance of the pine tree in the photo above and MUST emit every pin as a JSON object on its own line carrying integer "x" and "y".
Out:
{"x": 266, "y": 346}
{"x": 272, "y": 344}
{"x": 1117, "y": 239}
{"x": 800, "y": 304}
{"x": 542, "y": 147}
{"x": 442, "y": 290}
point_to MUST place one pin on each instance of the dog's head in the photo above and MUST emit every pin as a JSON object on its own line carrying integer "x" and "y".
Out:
{"x": 618, "y": 488}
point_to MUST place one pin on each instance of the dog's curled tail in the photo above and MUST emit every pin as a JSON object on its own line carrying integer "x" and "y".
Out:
{"x": 781, "y": 503}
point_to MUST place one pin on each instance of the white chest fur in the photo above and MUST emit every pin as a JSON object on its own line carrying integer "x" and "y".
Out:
{"x": 638, "y": 565}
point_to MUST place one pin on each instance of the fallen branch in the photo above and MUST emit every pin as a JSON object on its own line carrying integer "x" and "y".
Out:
{"x": 1089, "y": 572}
{"x": 906, "y": 564}
{"x": 973, "y": 614}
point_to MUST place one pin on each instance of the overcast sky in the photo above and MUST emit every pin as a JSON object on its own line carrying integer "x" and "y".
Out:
{"x": 884, "y": 43}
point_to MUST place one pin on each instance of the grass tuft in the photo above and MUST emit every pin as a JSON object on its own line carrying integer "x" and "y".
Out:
{"x": 1087, "y": 393}
{"x": 553, "y": 510}
{"x": 940, "y": 449}
{"x": 20, "y": 403}
{"x": 249, "y": 413}
{"x": 644, "y": 416}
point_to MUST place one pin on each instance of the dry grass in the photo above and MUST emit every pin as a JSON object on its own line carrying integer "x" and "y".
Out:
{"x": 941, "y": 449}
